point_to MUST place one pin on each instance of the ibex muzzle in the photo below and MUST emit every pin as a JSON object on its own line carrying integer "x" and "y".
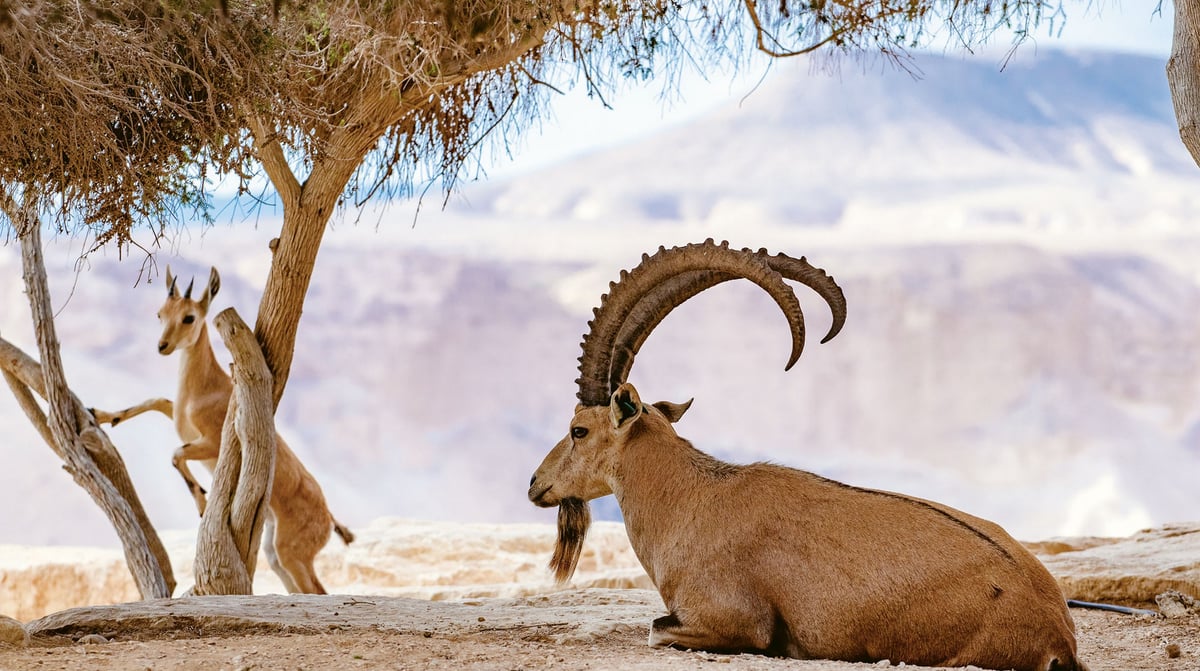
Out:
{"x": 770, "y": 559}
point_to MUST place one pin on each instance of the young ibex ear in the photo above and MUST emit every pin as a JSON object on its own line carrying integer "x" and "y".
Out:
{"x": 214, "y": 285}
{"x": 171, "y": 292}
{"x": 673, "y": 411}
{"x": 624, "y": 406}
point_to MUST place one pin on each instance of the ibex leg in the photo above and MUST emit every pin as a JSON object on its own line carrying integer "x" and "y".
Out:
{"x": 268, "y": 546}
{"x": 163, "y": 405}
{"x": 735, "y": 632}
{"x": 203, "y": 449}
{"x": 298, "y": 539}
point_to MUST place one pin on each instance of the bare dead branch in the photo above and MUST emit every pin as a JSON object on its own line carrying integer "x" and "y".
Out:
{"x": 77, "y": 438}
{"x": 30, "y": 407}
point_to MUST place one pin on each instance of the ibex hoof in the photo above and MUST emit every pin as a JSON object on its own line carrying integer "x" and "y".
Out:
{"x": 102, "y": 417}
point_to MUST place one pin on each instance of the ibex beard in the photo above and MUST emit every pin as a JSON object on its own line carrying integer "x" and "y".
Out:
{"x": 574, "y": 518}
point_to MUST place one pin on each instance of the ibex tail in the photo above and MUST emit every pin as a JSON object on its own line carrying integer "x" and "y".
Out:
{"x": 343, "y": 532}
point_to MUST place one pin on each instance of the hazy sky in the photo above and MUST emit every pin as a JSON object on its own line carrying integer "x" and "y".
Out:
{"x": 580, "y": 124}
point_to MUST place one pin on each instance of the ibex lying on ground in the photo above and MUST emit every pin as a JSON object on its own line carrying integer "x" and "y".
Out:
{"x": 299, "y": 522}
{"x": 772, "y": 559}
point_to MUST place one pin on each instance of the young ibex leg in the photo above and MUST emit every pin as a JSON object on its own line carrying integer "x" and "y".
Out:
{"x": 268, "y": 546}
{"x": 304, "y": 575}
{"x": 198, "y": 450}
{"x": 163, "y": 405}
{"x": 297, "y": 542}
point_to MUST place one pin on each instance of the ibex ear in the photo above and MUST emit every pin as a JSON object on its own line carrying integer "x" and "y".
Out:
{"x": 673, "y": 411}
{"x": 171, "y": 291}
{"x": 214, "y": 285}
{"x": 214, "y": 282}
{"x": 624, "y": 406}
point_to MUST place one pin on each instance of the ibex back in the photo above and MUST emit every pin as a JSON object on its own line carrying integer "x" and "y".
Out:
{"x": 771, "y": 559}
{"x": 300, "y": 521}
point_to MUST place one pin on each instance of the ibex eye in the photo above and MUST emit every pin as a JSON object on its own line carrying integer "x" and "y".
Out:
{"x": 188, "y": 319}
{"x": 578, "y": 432}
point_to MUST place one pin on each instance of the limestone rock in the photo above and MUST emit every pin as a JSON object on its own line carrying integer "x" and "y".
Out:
{"x": 92, "y": 639}
{"x": 390, "y": 557}
{"x": 586, "y": 611}
{"x": 1131, "y": 570}
{"x": 1173, "y": 604}
{"x": 12, "y": 632}
{"x": 36, "y": 581}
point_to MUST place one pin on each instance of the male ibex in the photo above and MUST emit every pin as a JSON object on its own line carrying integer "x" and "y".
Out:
{"x": 763, "y": 558}
{"x": 299, "y": 522}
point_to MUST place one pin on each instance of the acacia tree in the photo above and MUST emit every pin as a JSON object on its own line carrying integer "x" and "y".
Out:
{"x": 117, "y": 111}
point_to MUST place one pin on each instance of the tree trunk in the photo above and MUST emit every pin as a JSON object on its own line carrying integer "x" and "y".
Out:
{"x": 307, "y": 208}
{"x": 231, "y": 530}
{"x": 283, "y": 297}
{"x": 1183, "y": 74}
{"x": 86, "y": 451}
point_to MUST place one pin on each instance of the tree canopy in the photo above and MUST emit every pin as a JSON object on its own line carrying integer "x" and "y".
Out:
{"x": 119, "y": 113}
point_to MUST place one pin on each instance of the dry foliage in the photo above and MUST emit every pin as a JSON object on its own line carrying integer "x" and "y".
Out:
{"x": 106, "y": 106}
{"x": 118, "y": 113}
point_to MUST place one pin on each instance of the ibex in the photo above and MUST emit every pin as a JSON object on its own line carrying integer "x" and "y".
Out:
{"x": 300, "y": 521}
{"x": 764, "y": 558}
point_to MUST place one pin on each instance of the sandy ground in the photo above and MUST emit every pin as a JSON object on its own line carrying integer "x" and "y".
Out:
{"x": 580, "y": 629}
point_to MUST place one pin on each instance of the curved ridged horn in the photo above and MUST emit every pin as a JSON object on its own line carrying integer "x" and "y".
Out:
{"x": 674, "y": 292}
{"x": 800, "y": 270}
{"x": 626, "y": 298}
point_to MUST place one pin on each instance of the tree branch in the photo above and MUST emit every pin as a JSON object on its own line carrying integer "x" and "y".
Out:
{"x": 24, "y": 375}
{"x": 85, "y": 450}
{"x": 31, "y": 409}
{"x": 760, "y": 32}
{"x": 274, "y": 162}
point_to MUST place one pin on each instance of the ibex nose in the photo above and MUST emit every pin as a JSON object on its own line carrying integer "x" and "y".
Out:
{"x": 162, "y": 346}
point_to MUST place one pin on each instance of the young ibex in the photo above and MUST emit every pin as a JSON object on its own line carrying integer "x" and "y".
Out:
{"x": 763, "y": 558}
{"x": 299, "y": 522}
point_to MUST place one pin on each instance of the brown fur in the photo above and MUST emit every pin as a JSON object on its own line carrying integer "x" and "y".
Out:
{"x": 771, "y": 559}
{"x": 300, "y": 522}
